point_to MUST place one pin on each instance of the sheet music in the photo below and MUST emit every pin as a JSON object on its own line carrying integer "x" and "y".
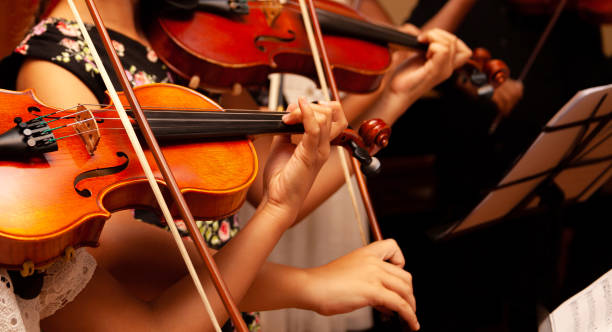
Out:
{"x": 589, "y": 310}
{"x": 547, "y": 151}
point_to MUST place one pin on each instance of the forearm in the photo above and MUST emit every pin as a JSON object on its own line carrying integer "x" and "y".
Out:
{"x": 239, "y": 262}
{"x": 275, "y": 287}
{"x": 328, "y": 181}
{"x": 450, "y": 16}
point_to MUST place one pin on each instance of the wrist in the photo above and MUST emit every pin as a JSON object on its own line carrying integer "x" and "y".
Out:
{"x": 311, "y": 293}
{"x": 280, "y": 213}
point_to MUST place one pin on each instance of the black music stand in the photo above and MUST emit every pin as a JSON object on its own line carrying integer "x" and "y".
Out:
{"x": 566, "y": 164}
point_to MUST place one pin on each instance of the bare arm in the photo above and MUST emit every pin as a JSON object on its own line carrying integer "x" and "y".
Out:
{"x": 412, "y": 76}
{"x": 288, "y": 177}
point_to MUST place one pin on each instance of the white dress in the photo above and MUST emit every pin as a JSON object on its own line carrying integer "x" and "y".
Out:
{"x": 63, "y": 281}
{"x": 327, "y": 233}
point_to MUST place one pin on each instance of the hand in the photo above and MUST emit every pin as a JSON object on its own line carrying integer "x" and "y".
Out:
{"x": 507, "y": 95}
{"x": 445, "y": 53}
{"x": 369, "y": 276}
{"x": 291, "y": 170}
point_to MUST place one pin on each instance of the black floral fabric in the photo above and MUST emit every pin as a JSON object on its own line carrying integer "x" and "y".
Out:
{"x": 60, "y": 41}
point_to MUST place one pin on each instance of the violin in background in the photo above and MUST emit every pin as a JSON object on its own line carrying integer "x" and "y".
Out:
{"x": 596, "y": 11}
{"x": 481, "y": 74}
{"x": 244, "y": 42}
{"x": 221, "y": 43}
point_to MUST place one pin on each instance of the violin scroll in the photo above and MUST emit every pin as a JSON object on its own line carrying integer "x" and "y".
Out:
{"x": 373, "y": 134}
{"x": 482, "y": 74}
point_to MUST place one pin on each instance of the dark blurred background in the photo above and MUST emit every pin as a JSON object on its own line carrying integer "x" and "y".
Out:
{"x": 442, "y": 160}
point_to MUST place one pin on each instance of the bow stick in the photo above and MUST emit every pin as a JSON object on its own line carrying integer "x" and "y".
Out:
{"x": 534, "y": 53}
{"x": 163, "y": 167}
{"x": 316, "y": 43}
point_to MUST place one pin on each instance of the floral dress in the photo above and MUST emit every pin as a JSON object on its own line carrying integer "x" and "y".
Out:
{"x": 60, "y": 41}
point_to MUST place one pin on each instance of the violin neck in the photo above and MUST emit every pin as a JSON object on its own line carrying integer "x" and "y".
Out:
{"x": 180, "y": 125}
{"x": 337, "y": 24}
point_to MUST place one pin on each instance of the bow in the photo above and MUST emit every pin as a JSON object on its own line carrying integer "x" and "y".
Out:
{"x": 315, "y": 38}
{"x": 163, "y": 167}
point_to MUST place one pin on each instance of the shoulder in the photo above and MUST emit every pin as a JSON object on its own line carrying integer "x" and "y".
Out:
{"x": 53, "y": 84}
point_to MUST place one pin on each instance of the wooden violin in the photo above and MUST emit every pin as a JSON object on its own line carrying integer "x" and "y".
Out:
{"x": 481, "y": 74}
{"x": 596, "y": 11}
{"x": 65, "y": 171}
{"x": 223, "y": 44}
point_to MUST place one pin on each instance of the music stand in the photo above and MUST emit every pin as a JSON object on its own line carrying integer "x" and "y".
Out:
{"x": 566, "y": 164}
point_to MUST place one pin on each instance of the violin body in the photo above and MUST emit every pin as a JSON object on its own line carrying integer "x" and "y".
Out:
{"x": 60, "y": 200}
{"x": 596, "y": 11}
{"x": 224, "y": 49}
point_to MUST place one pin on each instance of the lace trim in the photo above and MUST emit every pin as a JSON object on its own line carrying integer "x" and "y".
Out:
{"x": 10, "y": 317}
{"x": 63, "y": 281}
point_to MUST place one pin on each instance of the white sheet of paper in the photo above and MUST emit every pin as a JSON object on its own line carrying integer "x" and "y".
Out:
{"x": 589, "y": 310}
{"x": 546, "y": 152}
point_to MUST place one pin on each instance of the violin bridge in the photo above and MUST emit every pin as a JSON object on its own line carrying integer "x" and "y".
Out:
{"x": 271, "y": 11}
{"x": 87, "y": 128}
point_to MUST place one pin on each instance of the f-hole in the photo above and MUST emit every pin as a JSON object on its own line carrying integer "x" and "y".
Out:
{"x": 275, "y": 39}
{"x": 94, "y": 173}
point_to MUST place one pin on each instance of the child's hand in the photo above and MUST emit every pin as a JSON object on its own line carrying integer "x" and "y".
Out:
{"x": 445, "y": 53}
{"x": 291, "y": 170}
{"x": 507, "y": 95}
{"x": 369, "y": 276}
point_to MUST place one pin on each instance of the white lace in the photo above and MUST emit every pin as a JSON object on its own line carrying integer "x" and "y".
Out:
{"x": 63, "y": 281}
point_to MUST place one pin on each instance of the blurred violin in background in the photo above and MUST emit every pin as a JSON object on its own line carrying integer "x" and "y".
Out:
{"x": 596, "y": 11}
{"x": 481, "y": 74}
{"x": 221, "y": 43}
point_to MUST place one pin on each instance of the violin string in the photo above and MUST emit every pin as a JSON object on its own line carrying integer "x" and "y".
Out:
{"x": 64, "y": 126}
{"x": 205, "y": 120}
{"x": 106, "y": 108}
{"x": 142, "y": 158}
{"x": 58, "y": 111}
{"x": 67, "y": 116}
{"x": 64, "y": 137}
{"x": 188, "y": 109}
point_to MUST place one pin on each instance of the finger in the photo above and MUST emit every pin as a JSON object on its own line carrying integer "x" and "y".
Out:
{"x": 452, "y": 50}
{"x": 293, "y": 116}
{"x": 437, "y": 35}
{"x": 450, "y": 41}
{"x": 463, "y": 53}
{"x": 291, "y": 107}
{"x": 440, "y": 57}
{"x": 339, "y": 121}
{"x": 388, "y": 250}
{"x": 401, "y": 287}
{"x": 393, "y": 301}
{"x": 398, "y": 272}
{"x": 312, "y": 131}
{"x": 410, "y": 29}
{"x": 323, "y": 114}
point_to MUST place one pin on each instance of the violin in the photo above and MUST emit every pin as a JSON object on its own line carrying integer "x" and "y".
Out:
{"x": 481, "y": 74}
{"x": 596, "y": 11}
{"x": 87, "y": 165}
{"x": 221, "y": 43}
